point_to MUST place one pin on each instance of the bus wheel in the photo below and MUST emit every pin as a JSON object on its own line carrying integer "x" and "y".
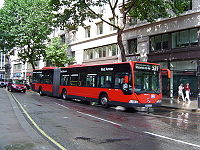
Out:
{"x": 104, "y": 100}
{"x": 64, "y": 94}
{"x": 40, "y": 92}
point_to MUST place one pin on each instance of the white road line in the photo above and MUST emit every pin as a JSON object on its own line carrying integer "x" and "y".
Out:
{"x": 92, "y": 116}
{"x": 99, "y": 118}
{"x": 179, "y": 141}
{"x": 61, "y": 105}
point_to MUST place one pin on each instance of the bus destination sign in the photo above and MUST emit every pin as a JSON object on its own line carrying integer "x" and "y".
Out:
{"x": 147, "y": 67}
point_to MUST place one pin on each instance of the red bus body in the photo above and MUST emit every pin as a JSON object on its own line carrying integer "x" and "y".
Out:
{"x": 129, "y": 84}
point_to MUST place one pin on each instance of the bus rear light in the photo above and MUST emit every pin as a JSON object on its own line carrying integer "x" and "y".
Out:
{"x": 133, "y": 101}
{"x": 159, "y": 101}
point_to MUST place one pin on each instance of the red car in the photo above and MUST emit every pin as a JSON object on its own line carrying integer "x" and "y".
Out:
{"x": 16, "y": 85}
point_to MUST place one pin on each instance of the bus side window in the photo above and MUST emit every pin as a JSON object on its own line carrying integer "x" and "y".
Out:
{"x": 65, "y": 80}
{"x": 74, "y": 80}
{"x": 91, "y": 80}
{"x": 105, "y": 81}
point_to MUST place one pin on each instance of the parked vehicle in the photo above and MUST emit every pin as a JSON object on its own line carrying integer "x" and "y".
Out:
{"x": 2, "y": 83}
{"x": 16, "y": 85}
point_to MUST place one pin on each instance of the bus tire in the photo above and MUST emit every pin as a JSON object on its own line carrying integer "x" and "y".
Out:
{"x": 104, "y": 100}
{"x": 41, "y": 92}
{"x": 64, "y": 94}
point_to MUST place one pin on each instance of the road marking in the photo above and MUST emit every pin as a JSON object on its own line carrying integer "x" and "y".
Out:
{"x": 91, "y": 116}
{"x": 61, "y": 105}
{"x": 164, "y": 137}
{"x": 99, "y": 118}
{"x": 36, "y": 126}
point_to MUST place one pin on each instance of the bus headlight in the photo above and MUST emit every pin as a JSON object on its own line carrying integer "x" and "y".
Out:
{"x": 159, "y": 101}
{"x": 133, "y": 101}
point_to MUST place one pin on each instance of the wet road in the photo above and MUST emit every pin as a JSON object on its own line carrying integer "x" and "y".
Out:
{"x": 78, "y": 126}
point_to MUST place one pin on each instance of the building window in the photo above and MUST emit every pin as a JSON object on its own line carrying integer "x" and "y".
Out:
{"x": 112, "y": 21}
{"x": 132, "y": 46}
{"x": 100, "y": 28}
{"x": 73, "y": 54}
{"x": 87, "y": 32}
{"x": 63, "y": 38}
{"x": 73, "y": 35}
{"x": 159, "y": 42}
{"x": 100, "y": 52}
{"x": 17, "y": 66}
{"x": 189, "y": 5}
{"x": 185, "y": 38}
{"x": 100, "y": 9}
{"x": 132, "y": 21}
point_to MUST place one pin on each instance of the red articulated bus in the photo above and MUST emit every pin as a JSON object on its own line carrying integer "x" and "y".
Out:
{"x": 128, "y": 84}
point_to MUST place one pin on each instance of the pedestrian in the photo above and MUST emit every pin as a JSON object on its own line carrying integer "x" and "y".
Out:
{"x": 187, "y": 92}
{"x": 180, "y": 93}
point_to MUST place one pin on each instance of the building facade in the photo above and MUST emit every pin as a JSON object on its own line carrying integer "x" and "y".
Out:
{"x": 172, "y": 42}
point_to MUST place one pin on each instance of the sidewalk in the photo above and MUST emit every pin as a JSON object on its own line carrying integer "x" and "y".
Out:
{"x": 15, "y": 132}
{"x": 172, "y": 103}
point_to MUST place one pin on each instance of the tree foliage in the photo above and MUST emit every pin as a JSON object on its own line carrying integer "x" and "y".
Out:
{"x": 73, "y": 13}
{"x": 25, "y": 25}
{"x": 56, "y": 53}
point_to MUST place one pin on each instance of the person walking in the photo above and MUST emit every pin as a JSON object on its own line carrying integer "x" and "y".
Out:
{"x": 187, "y": 92}
{"x": 180, "y": 93}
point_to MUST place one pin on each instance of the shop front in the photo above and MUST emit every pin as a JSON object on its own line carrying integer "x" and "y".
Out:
{"x": 183, "y": 72}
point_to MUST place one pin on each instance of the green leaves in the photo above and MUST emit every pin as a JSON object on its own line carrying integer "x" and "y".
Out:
{"x": 56, "y": 53}
{"x": 25, "y": 25}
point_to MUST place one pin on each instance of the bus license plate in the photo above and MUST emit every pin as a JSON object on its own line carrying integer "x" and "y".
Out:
{"x": 148, "y": 105}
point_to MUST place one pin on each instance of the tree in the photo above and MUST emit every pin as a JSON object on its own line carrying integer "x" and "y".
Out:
{"x": 56, "y": 53}
{"x": 76, "y": 12}
{"x": 25, "y": 26}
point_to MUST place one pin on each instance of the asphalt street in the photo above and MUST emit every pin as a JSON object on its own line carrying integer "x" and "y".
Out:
{"x": 80, "y": 126}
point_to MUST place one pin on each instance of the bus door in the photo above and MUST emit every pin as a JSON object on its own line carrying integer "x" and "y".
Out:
{"x": 122, "y": 87}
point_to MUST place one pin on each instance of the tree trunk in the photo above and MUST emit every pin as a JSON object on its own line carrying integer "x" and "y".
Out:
{"x": 121, "y": 46}
{"x": 33, "y": 65}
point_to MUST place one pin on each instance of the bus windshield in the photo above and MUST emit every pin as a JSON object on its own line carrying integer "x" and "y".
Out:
{"x": 147, "y": 82}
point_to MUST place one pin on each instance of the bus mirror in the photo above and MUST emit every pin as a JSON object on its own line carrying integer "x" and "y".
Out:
{"x": 166, "y": 71}
{"x": 125, "y": 79}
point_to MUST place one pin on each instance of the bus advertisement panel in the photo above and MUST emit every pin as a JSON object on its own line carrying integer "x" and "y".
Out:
{"x": 129, "y": 84}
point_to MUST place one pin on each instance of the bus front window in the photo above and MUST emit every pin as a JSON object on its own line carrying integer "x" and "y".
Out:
{"x": 147, "y": 82}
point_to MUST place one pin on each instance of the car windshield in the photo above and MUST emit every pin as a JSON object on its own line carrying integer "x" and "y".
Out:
{"x": 18, "y": 82}
{"x": 147, "y": 82}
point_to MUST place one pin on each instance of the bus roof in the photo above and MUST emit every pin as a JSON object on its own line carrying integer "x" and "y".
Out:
{"x": 83, "y": 65}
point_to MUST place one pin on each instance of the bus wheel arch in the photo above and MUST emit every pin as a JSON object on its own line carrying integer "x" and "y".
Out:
{"x": 64, "y": 94}
{"x": 103, "y": 99}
